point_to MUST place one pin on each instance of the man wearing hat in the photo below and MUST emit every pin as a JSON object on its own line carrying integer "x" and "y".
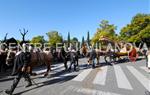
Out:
{"x": 92, "y": 56}
{"x": 20, "y": 69}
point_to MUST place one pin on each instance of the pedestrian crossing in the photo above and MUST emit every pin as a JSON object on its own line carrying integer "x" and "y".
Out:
{"x": 145, "y": 69}
{"x": 100, "y": 79}
{"x": 86, "y": 91}
{"x": 82, "y": 75}
{"x": 101, "y": 76}
{"x": 120, "y": 74}
{"x": 140, "y": 77}
{"x": 122, "y": 80}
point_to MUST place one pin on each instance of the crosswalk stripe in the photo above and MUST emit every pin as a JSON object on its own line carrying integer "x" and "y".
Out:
{"x": 59, "y": 67}
{"x": 41, "y": 71}
{"x": 145, "y": 69}
{"x": 82, "y": 75}
{"x": 141, "y": 78}
{"x": 101, "y": 76}
{"x": 122, "y": 80}
{"x": 87, "y": 91}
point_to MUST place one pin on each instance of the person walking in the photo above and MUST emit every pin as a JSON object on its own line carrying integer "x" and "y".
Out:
{"x": 145, "y": 53}
{"x": 73, "y": 59}
{"x": 148, "y": 57}
{"x": 63, "y": 55}
{"x": 92, "y": 56}
{"x": 20, "y": 69}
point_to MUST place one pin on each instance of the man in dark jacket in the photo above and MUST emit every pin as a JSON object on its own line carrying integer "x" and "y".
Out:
{"x": 64, "y": 56}
{"x": 20, "y": 69}
{"x": 92, "y": 56}
{"x": 73, "y": 60}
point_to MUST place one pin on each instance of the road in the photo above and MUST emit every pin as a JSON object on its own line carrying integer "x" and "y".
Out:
{"x": 120, "y": 79}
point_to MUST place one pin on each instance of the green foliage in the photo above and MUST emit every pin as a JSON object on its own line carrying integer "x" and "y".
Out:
{"x": 105, "y": 26}
{"x": 74, "y": 39}
{"x": 38, "y": 39}
{"x": 18, "y": 41}
{"x": 138, "y": 30}
{"x": 54, "y": 37}
{"x": 106, "y": 30}
{"x": 145, "y": 35}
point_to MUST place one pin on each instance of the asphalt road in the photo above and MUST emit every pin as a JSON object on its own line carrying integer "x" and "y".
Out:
{"x": 125, "y": 78}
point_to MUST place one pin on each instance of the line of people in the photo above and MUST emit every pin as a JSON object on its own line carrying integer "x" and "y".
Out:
{"x": 21, "y": 64}
{"x": 22, "y": 60}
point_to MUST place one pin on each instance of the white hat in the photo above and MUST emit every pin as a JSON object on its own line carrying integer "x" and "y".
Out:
{"x": 24, "y": 46}
{"x": 30, "y": 48}
{"x": 73, "y": 50}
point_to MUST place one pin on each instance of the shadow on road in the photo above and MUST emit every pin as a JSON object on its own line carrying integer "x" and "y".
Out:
{"x": 59, "y": 79}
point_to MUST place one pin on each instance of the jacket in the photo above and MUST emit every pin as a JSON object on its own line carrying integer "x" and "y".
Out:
{"x": 21, "y": 60}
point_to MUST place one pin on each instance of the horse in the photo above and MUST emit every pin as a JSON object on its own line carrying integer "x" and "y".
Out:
{"x": 84, "y": 50}
{"x": 37, "y": 58}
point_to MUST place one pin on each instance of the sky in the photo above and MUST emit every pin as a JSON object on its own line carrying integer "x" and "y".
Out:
{"x": 74, "y": 16}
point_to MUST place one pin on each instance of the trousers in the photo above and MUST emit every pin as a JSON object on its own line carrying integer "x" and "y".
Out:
{"x": 16, "y": 80}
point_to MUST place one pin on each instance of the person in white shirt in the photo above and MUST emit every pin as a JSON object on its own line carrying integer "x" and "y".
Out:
{"x": 148, "y": 56}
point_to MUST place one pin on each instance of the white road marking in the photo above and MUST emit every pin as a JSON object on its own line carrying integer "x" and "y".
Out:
{"x": 101, "y": 76}
{"x": 57, "y": 66}
{"x": 88, "y": 91}
{"x": 122, "y": 80}
{"x": 53, "y": 68}
{"x": 66, "y": 90}
{"x": 145, "y": 69}
{"x": 41, "y": 71}
{"x": 140, "y": 77}
{"x": 82, "y": 75}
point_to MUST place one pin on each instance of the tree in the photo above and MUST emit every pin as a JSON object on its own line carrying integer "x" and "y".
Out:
{"x": 54, "y": 37}
{"x": 18, "y": 41}
{"x": 23, "y": 34}
{"x": 38, "y": 39}
{"x": 106, "y": 30}
{"x": 68, "y": 39}
{"x": 88, "y": 38}
{"x": 74, "y": 39}
{"x": 82, "y": 41}
{"x": 5, "y": 38}
{"x": 106, "y": 27}
{"x": 145, "y": 35}
{"x": 138, "y": 30}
